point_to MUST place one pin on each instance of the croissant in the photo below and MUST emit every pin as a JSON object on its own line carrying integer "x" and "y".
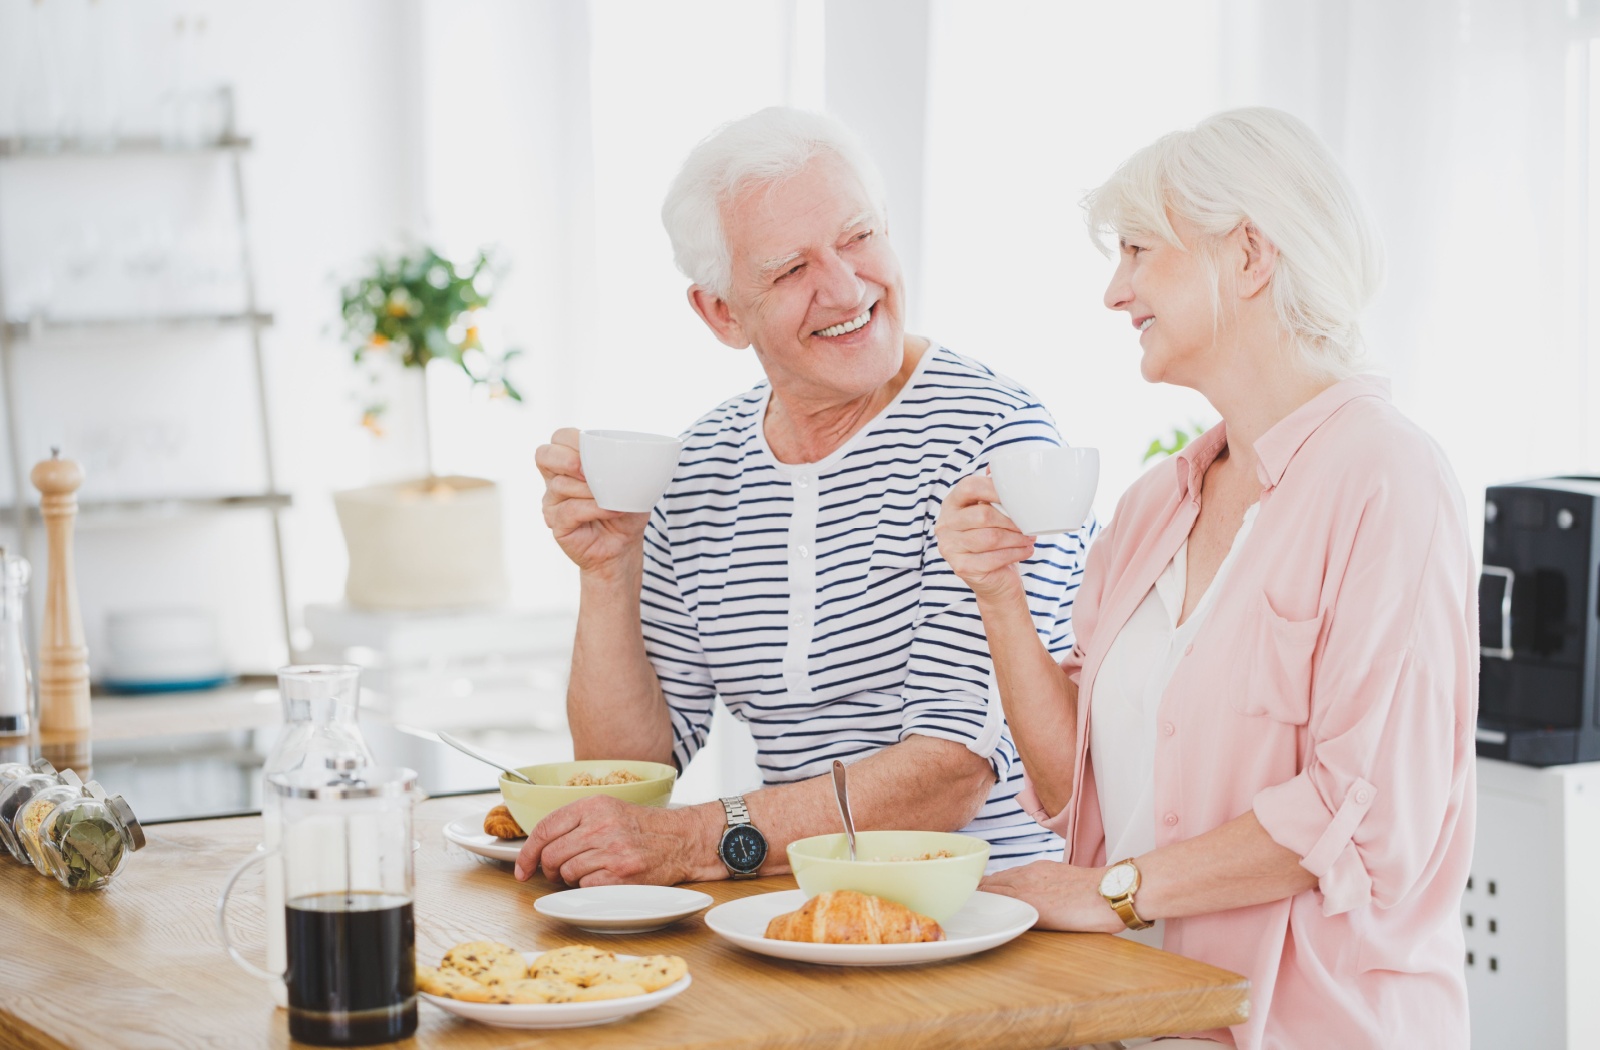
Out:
{"x": 848, "y": 917}
{"x": 501, "y": 824}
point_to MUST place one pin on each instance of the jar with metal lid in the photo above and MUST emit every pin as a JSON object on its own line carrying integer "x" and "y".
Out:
{"x": 15, "y": 795}
{"x": 10, "y": 771}
{"x": 34, "y": 812}
{"x": 87, "y": 840}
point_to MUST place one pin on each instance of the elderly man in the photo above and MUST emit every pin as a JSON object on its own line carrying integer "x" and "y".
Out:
{"x": 791, "y": 569}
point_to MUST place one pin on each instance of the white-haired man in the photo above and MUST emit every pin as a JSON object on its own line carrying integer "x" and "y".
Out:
{"x": 791, "y": 569}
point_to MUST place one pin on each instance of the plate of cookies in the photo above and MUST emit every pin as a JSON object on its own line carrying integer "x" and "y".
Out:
{"x": 568, "y": 987}
{"x": 495, "y": 835}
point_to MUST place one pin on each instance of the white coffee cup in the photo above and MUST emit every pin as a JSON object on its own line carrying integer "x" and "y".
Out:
{"x": 1045, "y": 488}
{"x": 626, "y": 470}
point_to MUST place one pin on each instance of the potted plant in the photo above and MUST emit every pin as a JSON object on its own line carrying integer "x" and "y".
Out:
{"x": 434, "y": 541}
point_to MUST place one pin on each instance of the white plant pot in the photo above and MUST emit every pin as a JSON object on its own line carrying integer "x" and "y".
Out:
{"x": 428, "y": 544}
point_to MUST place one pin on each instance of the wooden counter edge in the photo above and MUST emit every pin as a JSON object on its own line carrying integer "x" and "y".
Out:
{"x": 17, "y": 1034}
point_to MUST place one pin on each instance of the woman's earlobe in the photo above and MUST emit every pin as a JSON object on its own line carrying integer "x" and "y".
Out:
{"x": 1261, "y": 257}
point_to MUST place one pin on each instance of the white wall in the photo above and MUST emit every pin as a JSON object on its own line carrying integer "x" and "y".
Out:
{"x": 1032, "y": 104}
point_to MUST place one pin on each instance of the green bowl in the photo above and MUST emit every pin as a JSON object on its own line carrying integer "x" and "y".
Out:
{"x": 936, "y": 888}
{"x": 531, "y": 803}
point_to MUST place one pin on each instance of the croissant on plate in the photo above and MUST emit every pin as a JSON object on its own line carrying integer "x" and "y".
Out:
{"x": 501, "y": 824}
{"x": 848, "y": 917}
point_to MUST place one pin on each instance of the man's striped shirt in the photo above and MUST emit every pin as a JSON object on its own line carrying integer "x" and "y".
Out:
{"x": 813, "y": 600}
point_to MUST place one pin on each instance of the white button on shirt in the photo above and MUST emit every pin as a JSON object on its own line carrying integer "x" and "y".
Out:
{"x": 1123, "y": 734}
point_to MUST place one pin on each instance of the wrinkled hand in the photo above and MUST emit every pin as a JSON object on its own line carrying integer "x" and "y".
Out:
{"x": 603, "y": 841}
{"x": 1067, "y": 897}
{"x": 981, "y": 544}
{"x": 595, "y": 539}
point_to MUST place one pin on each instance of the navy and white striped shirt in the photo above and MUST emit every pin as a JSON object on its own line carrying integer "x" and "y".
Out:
{"x": 813, "y": 600}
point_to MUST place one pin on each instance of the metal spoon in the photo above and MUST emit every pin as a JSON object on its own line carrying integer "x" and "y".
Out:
{"x": 480, "y": 756}
{"x": 843, "y": 796}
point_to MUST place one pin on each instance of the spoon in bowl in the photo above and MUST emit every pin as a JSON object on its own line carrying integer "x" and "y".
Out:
{"x": 843, "y": 796}
{"x": 481, "y": 757}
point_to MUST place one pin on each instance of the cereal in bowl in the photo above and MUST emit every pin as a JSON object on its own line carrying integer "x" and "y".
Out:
{"x": 620, "y": 776}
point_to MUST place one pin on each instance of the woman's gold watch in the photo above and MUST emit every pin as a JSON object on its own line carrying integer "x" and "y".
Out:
{"x": 1117, "y": 886}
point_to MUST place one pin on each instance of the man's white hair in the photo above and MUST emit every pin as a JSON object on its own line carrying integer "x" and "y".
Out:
{"x": 768, "y": 146}
{"x": 1267, "y": 168}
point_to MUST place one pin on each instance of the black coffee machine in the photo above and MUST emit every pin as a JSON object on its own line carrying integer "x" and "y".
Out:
{"x": 1539, "y": 618}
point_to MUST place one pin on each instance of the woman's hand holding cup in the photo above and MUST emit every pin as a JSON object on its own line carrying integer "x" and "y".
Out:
{"x": 597, "y": 540}
{"x": 981, "y": 544}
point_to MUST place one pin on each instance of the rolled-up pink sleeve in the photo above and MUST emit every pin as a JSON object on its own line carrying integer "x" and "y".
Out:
{"x": 1392, "y": 701}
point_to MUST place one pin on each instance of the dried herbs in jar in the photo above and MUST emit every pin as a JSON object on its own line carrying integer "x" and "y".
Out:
{"x": 88, "y": 840}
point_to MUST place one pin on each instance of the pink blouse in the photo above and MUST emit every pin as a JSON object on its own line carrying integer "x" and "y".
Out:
{"x": 1334, "y": 692}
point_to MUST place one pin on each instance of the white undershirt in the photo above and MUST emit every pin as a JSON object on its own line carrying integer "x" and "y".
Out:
{"x": 1127, "y": 694}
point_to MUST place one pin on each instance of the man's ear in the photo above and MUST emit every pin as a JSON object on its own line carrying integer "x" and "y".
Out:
{"x": 1257, "y": 259}
{"x": 714, "y": 311}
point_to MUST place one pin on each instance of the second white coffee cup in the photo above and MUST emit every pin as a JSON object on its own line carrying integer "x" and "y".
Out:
{"x": 1046, "y": 488}
{"x": 626, "y": 470}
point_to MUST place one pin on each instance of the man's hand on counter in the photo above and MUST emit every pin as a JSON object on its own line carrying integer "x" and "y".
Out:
{"x": 601, "y": 841}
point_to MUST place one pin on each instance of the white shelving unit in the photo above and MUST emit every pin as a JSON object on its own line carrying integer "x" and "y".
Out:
{"x": 1531, "y": 913}
{"x": 17, "y": 331}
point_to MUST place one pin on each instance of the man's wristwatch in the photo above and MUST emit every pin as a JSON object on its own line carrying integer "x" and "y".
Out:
{"x": 743, "y": 848}
{"x": 1117, "y": 886}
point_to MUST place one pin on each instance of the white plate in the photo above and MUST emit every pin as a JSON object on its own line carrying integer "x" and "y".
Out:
{"x": 622, "y": 909}
{"x": 468, "y": 833}
{"x": 986, "y": 921}
{"x": 557, "y": 1015}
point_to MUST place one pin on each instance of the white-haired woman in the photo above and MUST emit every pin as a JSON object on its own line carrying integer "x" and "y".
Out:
{"x": 791, "y": 568}
{"x": 1263, "y": 738}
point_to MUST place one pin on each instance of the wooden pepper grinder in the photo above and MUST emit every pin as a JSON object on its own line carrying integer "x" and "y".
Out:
{"x": 63, "y": 658}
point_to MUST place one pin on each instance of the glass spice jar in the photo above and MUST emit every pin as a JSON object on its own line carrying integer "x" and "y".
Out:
{"x": 10, "y": 771}
{"x": 87, "y": 840}
{"x": 15, "y": 795}
{"x": 31, "y": 817}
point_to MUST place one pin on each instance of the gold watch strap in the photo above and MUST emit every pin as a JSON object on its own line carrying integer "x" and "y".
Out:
{"x": 1122, "y": 903}
{"x": 1123, "y": 906}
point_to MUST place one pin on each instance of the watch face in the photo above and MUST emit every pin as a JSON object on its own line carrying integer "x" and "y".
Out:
{"x": 743, "y": 848}
{"x": 1117, "y": 880}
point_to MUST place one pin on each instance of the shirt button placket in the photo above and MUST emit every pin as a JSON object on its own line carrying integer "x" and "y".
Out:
{"x": 802, "y": 583}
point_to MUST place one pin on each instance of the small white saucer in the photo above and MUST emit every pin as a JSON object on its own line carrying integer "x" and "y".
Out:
{"x": 622, "y": 909}
{"x": 468, "y": 833}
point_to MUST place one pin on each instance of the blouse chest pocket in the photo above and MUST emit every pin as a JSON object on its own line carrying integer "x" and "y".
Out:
{"x": 1276, "y": 664}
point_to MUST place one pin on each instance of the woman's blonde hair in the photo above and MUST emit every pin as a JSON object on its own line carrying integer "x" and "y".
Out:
{"x": 1267, "y": 168}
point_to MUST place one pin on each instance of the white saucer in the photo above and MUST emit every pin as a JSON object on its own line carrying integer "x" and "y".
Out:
{"x": 622, "y": 909}
{"x": 557, "y": 1015}
{"x": 986, "y": 921}
{"x": 468, "y": 833}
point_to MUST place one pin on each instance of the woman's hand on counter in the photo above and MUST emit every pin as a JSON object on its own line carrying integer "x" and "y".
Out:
{"x": 1066, "y": 896}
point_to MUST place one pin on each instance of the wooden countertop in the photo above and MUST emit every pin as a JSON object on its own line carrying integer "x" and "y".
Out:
{"x": 140, "y": 965}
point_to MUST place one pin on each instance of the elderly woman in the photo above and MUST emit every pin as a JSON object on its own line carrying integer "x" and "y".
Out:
{"x": 1262, "y": 741}
{"x": 791, "y": 569}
